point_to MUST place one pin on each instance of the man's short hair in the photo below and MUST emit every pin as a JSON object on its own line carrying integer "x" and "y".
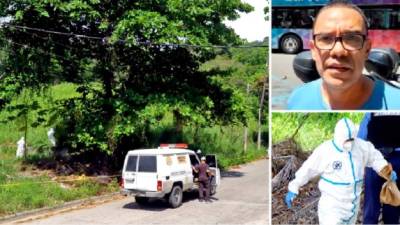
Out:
{"x": 343, "y": 4}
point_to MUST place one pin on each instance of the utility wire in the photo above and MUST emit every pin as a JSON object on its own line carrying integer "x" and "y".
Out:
{"x": 25, "y": 28}
{"x": 146, "y": 43}
{"x": 38, "y": 49}
{"x": 47, "y": 39}
{"x": 54, "y": 32}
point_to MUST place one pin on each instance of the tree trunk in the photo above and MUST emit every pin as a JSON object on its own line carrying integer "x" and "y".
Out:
{"x": 178, "y": 125}
{"x": 245, "y": 135}
{"x": 260, "y": 111}
{"x": 245, "y": 139}
{"x": 25, "y": 126}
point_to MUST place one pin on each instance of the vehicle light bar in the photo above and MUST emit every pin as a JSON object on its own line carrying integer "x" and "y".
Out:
{"x": 177, "y": 145}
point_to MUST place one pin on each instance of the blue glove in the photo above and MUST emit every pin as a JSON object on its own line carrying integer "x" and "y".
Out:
{"x": 289, "y": 199}
{"x": 393, "y": 176}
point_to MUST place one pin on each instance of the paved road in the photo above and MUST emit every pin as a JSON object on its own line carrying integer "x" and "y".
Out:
{"x": 242, "y": 198}
{"x": 283, "y": 79}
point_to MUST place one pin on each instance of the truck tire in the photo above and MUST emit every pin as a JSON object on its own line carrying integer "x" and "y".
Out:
{"x": 175, "y": 197}
{"x": 291, "y": 44}
{"x": 213, "y": 190}
{"x": 213, "y": 186}
{"x": 141, "y": 200}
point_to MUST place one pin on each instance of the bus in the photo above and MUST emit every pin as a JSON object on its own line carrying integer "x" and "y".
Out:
{"x": 292, "y": 22}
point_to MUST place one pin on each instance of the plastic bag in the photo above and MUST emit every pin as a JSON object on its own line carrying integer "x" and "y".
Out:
{"x": 390, "y": 193}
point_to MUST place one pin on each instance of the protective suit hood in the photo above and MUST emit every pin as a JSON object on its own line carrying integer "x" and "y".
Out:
{"x": 344, "y": 130}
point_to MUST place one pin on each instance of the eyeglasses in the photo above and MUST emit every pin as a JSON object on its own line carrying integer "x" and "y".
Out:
{"x": 350, "y": 41}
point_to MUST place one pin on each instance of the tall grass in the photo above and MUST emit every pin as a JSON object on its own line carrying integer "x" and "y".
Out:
{"x": 27, "y": 194}
{"x": 227, "y": 142}
{"x": 317, "y": 127}
{"x": 222, "y": 62}
{"x": 12, "y": 131}
{"x": 21, "y": 191}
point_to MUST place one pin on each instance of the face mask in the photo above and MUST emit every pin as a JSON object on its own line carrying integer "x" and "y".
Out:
{"x": 348, "y": 145}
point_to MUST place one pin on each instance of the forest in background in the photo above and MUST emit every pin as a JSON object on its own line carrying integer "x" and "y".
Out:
{"x": 112, "y": 76}
{"x": 133, "y": 74}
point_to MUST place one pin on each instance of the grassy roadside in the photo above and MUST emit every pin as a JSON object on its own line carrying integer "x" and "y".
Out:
{"x": 22, "y": 187}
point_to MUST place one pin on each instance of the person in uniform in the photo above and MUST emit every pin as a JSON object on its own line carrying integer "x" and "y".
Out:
{"x": 381, "y": 129}
{"x": 204, "y": 182}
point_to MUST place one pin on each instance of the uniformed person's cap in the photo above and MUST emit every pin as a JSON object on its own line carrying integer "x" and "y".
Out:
{"x": 203, "y": 158}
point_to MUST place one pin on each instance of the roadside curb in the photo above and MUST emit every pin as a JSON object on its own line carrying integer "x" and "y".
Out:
{"x": 66, "y": 205}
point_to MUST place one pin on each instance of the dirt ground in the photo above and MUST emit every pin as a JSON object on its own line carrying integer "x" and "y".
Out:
{"x": 304, "y": 208}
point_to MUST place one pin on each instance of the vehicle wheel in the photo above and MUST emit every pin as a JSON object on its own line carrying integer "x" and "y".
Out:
{"x": 213, "y": 186}
{"x": 291, "y": 44}
{"x": 141, "y": 200}
{"x": 175, "y": 197}
{"x": 213, "y": 189}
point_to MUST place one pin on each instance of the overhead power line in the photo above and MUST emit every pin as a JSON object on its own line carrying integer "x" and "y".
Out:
{"x": 38, "y": 49}
{"x": 146, "y": 43}
{"x": 54, "y": 32}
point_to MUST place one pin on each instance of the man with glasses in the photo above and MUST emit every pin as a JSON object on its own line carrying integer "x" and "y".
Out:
{"x": 340, "y": 47}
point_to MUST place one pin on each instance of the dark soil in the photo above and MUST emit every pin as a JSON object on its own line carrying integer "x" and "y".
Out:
{"x": 305, "y": 206}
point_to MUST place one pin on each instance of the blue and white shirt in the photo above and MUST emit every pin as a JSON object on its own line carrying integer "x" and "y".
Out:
{"x": 309, "y": 97}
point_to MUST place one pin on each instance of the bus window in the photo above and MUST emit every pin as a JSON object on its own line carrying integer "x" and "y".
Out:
{"x": 377, "y": 18}
{"x": 293, "y": 18}
{"x": 302, "y": 18}
{"x": 282, "y": 19}
{"x": 292, "y": 22}
{"x": 395, "y": 19}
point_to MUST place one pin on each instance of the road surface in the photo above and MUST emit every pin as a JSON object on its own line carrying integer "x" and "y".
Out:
{"x": 242, "y": 198}
{"x": 283, "y": 79}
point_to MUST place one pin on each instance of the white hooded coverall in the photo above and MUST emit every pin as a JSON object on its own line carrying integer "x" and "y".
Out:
{"x": 341, "y": 172}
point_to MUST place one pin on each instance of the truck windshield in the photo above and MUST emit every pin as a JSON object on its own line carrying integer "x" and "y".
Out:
{"x": 147, "y": 164}
{"x": 131, "y": 164}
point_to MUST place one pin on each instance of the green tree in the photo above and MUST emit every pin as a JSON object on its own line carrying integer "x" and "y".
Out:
{"x": 128, "y": 75}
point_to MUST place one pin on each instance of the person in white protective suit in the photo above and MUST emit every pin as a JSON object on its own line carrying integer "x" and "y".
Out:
{"x": 50, "y": 135}
{"x": 20, "y": 148}
{"x": 340, "y": 163}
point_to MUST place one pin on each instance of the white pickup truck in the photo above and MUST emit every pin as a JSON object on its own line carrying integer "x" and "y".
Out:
{"x": 165, "y": 172}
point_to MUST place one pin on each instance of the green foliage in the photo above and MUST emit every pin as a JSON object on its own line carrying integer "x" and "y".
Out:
{"x": 124, "y": 91}
{"x": 30, "y": 194}
{"x": 22, "y": 192}
{"x": 246, "y": 73}
{"x": 12, "y": 126}
{"x": 140, "y": 78}
{"x": 226, "y": 142}
{"x": 317, "y": 127}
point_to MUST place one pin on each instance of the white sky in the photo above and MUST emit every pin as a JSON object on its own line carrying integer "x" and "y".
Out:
{"x": 252, "y": 26}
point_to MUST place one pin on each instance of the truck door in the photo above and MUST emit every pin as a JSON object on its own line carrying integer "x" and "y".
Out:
{"x": 212, "y": 162}
{"x": 129, "y": 172}
{"x": 146, "y": 177}
{"x": 194, "y": 161}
